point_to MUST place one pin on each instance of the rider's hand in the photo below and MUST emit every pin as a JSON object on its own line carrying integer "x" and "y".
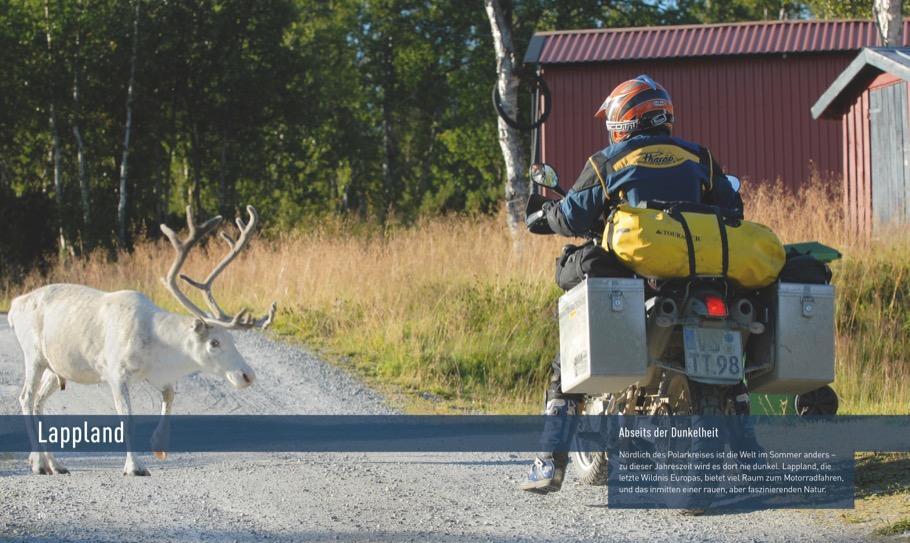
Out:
{"x": 536, "y": 214}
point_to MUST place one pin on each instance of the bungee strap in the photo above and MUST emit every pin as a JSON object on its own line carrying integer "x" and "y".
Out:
{"x": 675, "y": 213}
{"x": 725, "y": 247}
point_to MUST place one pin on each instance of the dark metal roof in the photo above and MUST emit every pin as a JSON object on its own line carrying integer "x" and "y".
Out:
{"x": 751, "y": 38}
{"x": 856, "y": 78}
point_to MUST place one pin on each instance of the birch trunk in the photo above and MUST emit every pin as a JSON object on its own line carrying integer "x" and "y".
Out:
{"x": 77, "y": 133}
{"x": 890, "y": 23}
{"x": 124, "y": 161}
{"x": 194, "y": 171}
{"x": 517, "y": 189}
{"x": 162, "y": 182}
{"x": 56, "y": 153}
{"x": 225, "y": 202}
{"x": 58, "y": 181}
{"x": 83, "y": 182}
{"x": 80, "y": 144}
{"x": 390, "y": 171}
{"x": 165, "y": 179}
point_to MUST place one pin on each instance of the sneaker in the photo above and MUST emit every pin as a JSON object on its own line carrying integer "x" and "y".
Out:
{"x": 545, "y": 476}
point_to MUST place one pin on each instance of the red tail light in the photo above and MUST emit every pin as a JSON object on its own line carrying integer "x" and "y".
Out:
{"x": 716, "y": 306}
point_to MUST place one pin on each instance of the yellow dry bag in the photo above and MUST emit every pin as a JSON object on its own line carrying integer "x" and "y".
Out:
{"x": 676, "y": 243}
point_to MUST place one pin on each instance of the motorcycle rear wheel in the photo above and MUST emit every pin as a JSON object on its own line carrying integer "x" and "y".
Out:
{"x": 685, "y": 398}
{"x": 590, "y": 467}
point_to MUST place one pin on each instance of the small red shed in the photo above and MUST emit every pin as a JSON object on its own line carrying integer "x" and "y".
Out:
{"x": 744, "y": 90}
{"x": 870, "y": 98}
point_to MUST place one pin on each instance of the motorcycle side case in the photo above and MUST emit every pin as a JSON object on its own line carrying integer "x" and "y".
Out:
{"x": 602, "y": 343}
{"x": 798, "y": 346}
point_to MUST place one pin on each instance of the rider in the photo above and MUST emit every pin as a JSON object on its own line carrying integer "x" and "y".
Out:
{"x": 644, "y": 162}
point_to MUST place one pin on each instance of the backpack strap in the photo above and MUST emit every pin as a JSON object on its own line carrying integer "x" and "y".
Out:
{"x": 608, "y": 238}
{"x": 725, "y": 247}
{"x": 705, "y": 158}
{"x": 675, "y": 213}
{"x": 602, "y": 170}
{"x": 608, "y": 235}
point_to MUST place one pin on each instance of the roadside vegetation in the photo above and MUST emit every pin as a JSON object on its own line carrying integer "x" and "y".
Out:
{"x": 882, "y": 504}
{"x": 450, "y": 314}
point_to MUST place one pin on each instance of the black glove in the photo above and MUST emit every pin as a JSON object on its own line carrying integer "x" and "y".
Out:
{"x": 536, "y": 214}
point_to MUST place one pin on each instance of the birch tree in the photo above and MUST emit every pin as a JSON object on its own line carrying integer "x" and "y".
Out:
{"x": 517, "y": 189}
{"x": 890, "y": 23}
{"x": 77, "y": 132}
{"x": 56, "y": 153}
{"x": 123, "y": 202}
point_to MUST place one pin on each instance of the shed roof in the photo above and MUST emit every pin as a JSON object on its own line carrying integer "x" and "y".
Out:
{"x": 856, "y": 78}
{"x": 750, "y": 38}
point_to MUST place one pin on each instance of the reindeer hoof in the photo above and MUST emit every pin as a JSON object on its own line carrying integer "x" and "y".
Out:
{"x": 142, "y": 472}
{"x": 62, "y": 471}
{"x": 161, "y": 455}
{"x": 44, "y": 471}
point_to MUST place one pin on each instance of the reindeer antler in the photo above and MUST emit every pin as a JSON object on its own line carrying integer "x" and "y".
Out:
{"x": 182, "y": 248}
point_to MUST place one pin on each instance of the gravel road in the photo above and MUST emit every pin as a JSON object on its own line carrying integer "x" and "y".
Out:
{"x": 323, "y": 497}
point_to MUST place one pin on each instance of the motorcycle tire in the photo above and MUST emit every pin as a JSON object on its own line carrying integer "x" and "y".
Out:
{"x": 691, "y": 398}
{"x": 821, "y": 401}
{"x": 590, "y": 467}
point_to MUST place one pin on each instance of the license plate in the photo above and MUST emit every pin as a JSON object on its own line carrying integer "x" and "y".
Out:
{"x": 713, "y": 355}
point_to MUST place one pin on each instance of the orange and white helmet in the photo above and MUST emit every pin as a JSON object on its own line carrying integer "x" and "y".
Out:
{"x": 636, "y": 105}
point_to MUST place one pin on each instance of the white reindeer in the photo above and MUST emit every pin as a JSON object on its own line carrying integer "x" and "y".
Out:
{"x": 76, "y": 333}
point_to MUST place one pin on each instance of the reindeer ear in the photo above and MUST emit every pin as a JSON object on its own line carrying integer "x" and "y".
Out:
{"x": 200, "y": 327}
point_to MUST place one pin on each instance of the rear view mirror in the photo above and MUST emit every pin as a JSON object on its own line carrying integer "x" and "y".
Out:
{"x": 735, "y": 182}
{"x": 544, "y": 175}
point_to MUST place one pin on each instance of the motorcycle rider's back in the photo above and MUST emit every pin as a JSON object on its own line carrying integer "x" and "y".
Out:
{"x": 648, "y": 166}
{"x": 644, "y": 163}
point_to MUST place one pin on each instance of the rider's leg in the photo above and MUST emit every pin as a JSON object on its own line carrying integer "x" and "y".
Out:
{"x": 548, "y": 471}
{"x": 560, "y": 408}
{"x": 744, "y": 430}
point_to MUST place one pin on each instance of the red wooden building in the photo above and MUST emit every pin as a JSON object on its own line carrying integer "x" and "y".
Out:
{"x": 870, "y": 98}
{"x": 743, "y": 90}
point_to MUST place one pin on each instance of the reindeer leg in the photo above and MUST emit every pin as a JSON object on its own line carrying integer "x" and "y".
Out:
{"x": 34, "y": 366}
{"x": 163, "y": 432}
{"x": 121, "y": 392}
{"x": 49, "y": 384}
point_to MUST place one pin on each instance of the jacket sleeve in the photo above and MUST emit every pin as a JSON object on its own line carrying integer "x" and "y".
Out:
{"x": 721, "y": 193}
{"x": 577, "y": 213}
{"x": 583, "y": 207}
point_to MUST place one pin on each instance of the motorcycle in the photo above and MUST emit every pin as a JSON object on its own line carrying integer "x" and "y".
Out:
{"x": 700, "y": 339}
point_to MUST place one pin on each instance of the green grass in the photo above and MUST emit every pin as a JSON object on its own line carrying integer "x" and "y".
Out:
{"x": 882, "y": 501}
{"x": 461, "y": 345}
{"x": 488, "y": 346}
{"x": 898, "y": 528}
{"x": 449, "y": 316}
{"x": 873, "y": 327}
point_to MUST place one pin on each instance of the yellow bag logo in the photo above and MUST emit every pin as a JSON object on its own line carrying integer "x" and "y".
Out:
{"x": 656, "y": 156}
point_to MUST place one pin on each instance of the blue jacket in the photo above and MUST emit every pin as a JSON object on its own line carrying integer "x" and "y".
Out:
{"x": 644, "y": 167}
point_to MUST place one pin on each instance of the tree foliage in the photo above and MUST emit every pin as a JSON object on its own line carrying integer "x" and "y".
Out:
{"x": 377, "y": 108}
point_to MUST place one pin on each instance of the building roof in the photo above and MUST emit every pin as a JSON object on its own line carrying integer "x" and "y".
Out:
{"x": 856, "y": 78}
{"x": 750, "y": 38}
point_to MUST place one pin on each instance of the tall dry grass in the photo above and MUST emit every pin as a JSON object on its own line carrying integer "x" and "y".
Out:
{"x": 873, "y": 292}
{"x": 815, "y": 212}
{"x": 449, "y": 309}
{"x": 445, "y": 308}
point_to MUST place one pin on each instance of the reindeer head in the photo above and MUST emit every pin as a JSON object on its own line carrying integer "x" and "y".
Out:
{"x": 213, "y": 349}
{"x": 211, "y": 344}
